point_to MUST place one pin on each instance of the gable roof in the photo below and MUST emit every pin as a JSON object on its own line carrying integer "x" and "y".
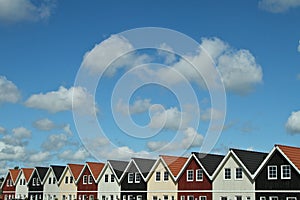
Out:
{"x": 95, "y": 168}
{"x": 210, "y": 162}
{"x": 57, "y": 170}
{"x": 174, "y": 163}
{"x": 75, "y": 170}
{"x": 144, "y": 165}
{"x": 14, "y": 174}
{"x": 118, "y": 167}
{"x": 251, "y": 159}
{"x": 27, "y": 173}
{"x": 41, "y": 172}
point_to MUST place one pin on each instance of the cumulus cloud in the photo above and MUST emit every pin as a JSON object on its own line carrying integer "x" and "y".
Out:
{"x": 278, "y": 6}
{"x": 39, "y": 157}
{"x": 122, "y": 153}
{"x": 62, "y": 99}
{"x": 25, "y": 10}
{"x": 293, "y": 123}
{"x": 79, "y": 155}
{"x": 12, "y": 152}
{"x": 8, "y": 90}
{"x": 139, "y": 106}
{"x": 44, "y": 124}
{"x": 115, "y": 48}
{"x": 21, "y": 133}
{"x": 55, "y": 142}
{"x": 166, "y": 52}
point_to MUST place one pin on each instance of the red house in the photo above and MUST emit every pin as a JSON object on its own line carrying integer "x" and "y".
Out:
{"x": 86, "y": 183}
{"x": 8, "y": 185}
{"x": 194, "y": 179}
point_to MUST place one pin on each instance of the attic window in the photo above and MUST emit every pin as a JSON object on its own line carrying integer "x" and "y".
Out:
{"x": 71, "y": 179}
{"x": 238, "y": 173}
{"x": 85, "y": 179}
{"x": 272, "y": 172}
{"x": 112, "y": 178}
{"x": 285, "y": 172}
{"x": 137, "y": 177}
{"x": 106, "y": 178}
{"x": 90, "y": 179}
{"x": 166, "y": 176}
{"x": 227, "y": 174}
{"x": 130, "y": 177}
{"x": 190, "y": 175}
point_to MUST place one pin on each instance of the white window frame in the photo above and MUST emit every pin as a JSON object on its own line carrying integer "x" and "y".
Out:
{"x": 190, "y": 197}
{"x": 137, "y": 174}
{"x": 124, "y": 197}
{"x": 187, "y": 176}
{"x": 236, "y": 169}
{"x": 106, "y": 180}
{"x": 157, "y": 178}
{"x": 291, "y": 198}
{"x": 272, "y": 178}
{"x": 84, "y": 179}
{"x": 202, "y": 198}
{"x": 129, "y": 177}
{"x": 112, "y": 178}
{"x": 182, "y": 197}
{"x": 273, "y": 198}
{"x": 290, "y": 170}
{"x": 90, "y": 179}
{"x": 262, "y": 198}
{"x": 226, "y": 169}
{"x": 166, "y": 176}
{"x": 201, "y": 176}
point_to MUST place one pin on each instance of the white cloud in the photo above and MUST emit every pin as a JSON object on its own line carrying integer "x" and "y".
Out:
{"x": 278, "y": 6}
{"x": 62, "y": 99}
{"x": 112, "y": 49}
{"x": 79, "y": 155}
{"x": 293, "y": 123}
{"x": 44, "y": 124}
{"x": 2, "y": 130}
{"x": 211, "y": 113}
{"x": 139, "y": 106}
{"x": 55, "y": 142}
{"x": 21, "y": 133}
{"x": 24, "y": 10}
{"x": 8, "y": 90}
{"x": 191, "y": 138}
{"x": 166, "y": 51}
{"x": 12, "y": 152}
{"x": 122, "y": 153}
{"x": 67, "y": 129}
{"x": 39, "y": 157}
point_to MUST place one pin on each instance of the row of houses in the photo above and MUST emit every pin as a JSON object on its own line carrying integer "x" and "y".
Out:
{"x": 239, "y": 175}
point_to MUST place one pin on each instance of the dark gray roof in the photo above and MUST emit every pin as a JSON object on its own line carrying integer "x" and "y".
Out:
{"x": 250, "y": 159}
{"x": 118, "y": 166}
{"x": 42, "y": 171}
{"x": 144, "y": 165}
{"x": 209, "y": 161}
{"x": 58, "y": 170}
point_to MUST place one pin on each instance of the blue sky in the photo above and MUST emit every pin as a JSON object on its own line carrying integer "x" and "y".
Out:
{"x": 46, "y": 44}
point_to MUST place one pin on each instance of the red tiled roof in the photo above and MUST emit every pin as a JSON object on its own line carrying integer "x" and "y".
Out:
{"x": 14, "y": 174}
{"x": 95, "y": 168}
{"x": 75, "y": 169}
{"x": 293, "y": 153}
{"x": 174, "y": 163}
{"x": 27, "y": 173}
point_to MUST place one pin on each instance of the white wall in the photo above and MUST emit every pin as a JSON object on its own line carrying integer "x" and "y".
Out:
{"x": 233, "y": 187}
{"x": 21, "y": 190}
{"x": 50, "y": 190}
{"x": 68, "y": 190}
{"x": 108, "y": 188}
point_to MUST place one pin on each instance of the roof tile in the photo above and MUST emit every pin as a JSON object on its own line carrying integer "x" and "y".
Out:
{"x": 95, "y": 168}
{"x": 14, "y": 174}
{"x": 75, "y": 170}
{"x": 174, "y": 163}
{"x": 293, "y": 153}
{"x": 27, "y": 173}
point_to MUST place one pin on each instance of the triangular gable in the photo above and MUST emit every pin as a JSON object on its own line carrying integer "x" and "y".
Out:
{"x": 7, "y": 175}
{"x": 282, "y": 150}
{"x": 41, "y": 173}
{"x": 75, "y": 170}
{"x": 57, "y": 171}
{"x": 117, "y": 167}
{"x": 27, "y": 173}
{"x": 14, "y": 174}
{"x": 292, "y": 154}
{"x": 94, "y": 168}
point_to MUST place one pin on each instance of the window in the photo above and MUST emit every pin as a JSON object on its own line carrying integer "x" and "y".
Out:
{"x": 49, "y": 180}
{"x": 285, "y": 172}
{"x": 130, "y": 178}
{"x": 262, "y": 198}
{"x": 248, "y": 198}
{"x": 103, "y": 197}
{"x": 85, "y": 178}
{"x": 166, "y": 197}
{"x": 238, "y": 197}
{"x": 33, "y": 181}
{"x": 273, "y": 198}
{"x": 112, "y": 178}
{"x": 90, "y": 179}
{"x": 130, "y": 197}
{"x": 190, "y": 175}
{"x": 91, "y": 197}
{"x": 106, "y": 178}
{"x": 139, "y": 197}
{"x": 53, "y": 180}
{"x": 166, "y": 176}
{"x": 202, "y": 198}
{"x": 157, "y": 177}
{"x": 38, "y": 182}
{"x": 137, "y": 177}
{"x": 227, "y": 174}
{"x": 272, "y": 172}
{"x": 66, "y": 180}
{"x": 124, "y": 197}
{"x": 190, "y": 197}
{"x": 111, "y": 197}
{"x": 223, "y": 198}
{"x": 71, "y": 179}
{"x": 291, "y": 198}
{"x": 238, "y": 173}
{"x": 199, "y": 175}
{"x": 172, "y": 198}
{"x": 182, "y": 197}
{"x": 154, "y": 198}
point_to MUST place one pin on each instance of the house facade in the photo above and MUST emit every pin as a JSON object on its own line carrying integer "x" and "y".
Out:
{"x": 67, "y": 182}
{"x": 162, "y": 178}
{"x": 109, "y": 187}
{"x": 194, "y": 181}
{"x": 86, "y": 184}
{"x": 133, "y": 181}
{"x": 21, "y": 183}
{"x": 233, "y": 178}
{"x": 278, "y": 177}
{"x": 51, "y": 189}
{"x": 35, "y": 186}
{"x": 8, "y": 185}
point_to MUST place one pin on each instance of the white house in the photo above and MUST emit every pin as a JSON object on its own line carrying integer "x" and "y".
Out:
{"x": 51, "y": 189}
{"x": 109, "y": 187}
{"x": 234, "y": 177}
{"x": 21, "y": 183}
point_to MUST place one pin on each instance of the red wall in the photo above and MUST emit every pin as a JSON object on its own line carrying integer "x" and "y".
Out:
{"x": 86, "y": 189}
{"x": 8, "y": 190}
{"x": 183, "y": 184}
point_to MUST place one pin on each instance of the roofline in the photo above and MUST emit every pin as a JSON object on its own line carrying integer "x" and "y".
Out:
{"x": 160, "y": 159}
{"x": 245, "y": 168}
{"x": 296, "y": 168}
{"x": 46, "y": 176}
{"x": 65, "y": 171}
{"x": 107, "y": 164}
{"x": 127, "y": 167}
{"x": 79, "y": 176}
{"x": 4, "y": 180}
{"x": 21, "y": 171}
{"x": 221, "y": 164}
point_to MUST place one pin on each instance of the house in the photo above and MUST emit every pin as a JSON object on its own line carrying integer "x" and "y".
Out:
{"x": 234, "y": 177}
{"x": 109, "y": 187}
{"x": 8, "y": 185}
{"x": 278, "y": 176}
{"x": 35, "y": 186}
{"x": 195, "y": 178}
{"x": 86, "y": 184}
{"x": 133, "y": 180}
{"x": 67, "y": 182}
{"x": 21, "y": 183}
{"x": 51, "y": 189}
{"x": 161, "y": 180}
